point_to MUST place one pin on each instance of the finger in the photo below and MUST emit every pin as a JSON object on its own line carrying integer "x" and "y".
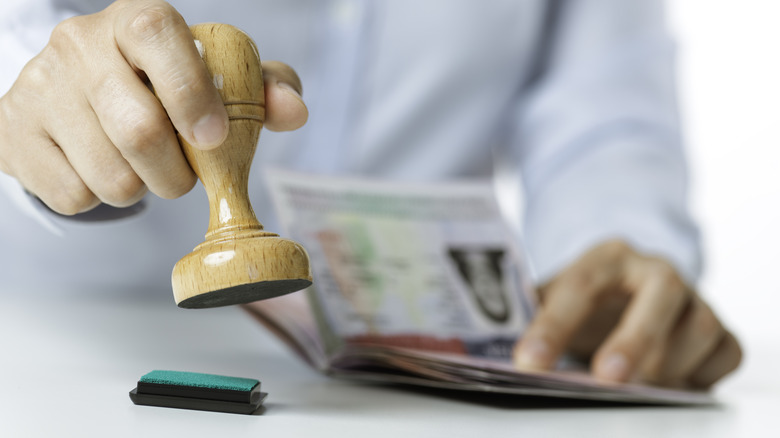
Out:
{"x": 97, "y": 161}
{"x": 569, "y": 301}
{"x": 694, "y": 339}
{"x": 154, "y": 38}
{"x": 29, "y": 154}
{"x": 136, "y": 123}
{"x": 599, "y": 325}
{"x": 51, "y": 178}
{"x": 286, "y": 110}
{"x": 658, "y": 301}
{"x": 725, "y": 359}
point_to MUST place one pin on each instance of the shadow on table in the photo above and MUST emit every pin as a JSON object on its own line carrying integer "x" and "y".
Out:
{"x": 516, "y": 401}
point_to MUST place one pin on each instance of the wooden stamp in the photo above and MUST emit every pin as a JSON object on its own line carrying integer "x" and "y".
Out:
{"x": 239, "y": 262}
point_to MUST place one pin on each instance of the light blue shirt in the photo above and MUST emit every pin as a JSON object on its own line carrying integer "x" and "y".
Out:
{"x": 576, "y": 97}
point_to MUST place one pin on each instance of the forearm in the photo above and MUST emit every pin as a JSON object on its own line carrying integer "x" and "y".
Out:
{"x": 625, "y": 187}
{"x": 601, "y": 155}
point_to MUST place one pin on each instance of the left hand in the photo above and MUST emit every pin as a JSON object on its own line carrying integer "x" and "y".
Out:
{"x": 634, "y": 317}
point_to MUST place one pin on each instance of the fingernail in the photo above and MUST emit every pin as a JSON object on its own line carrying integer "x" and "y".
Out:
{"x": 288, "y": 87}
{"x": 209, "y": 131}
{"x": 614, "y": 368}
{"x": 534, "y": 354}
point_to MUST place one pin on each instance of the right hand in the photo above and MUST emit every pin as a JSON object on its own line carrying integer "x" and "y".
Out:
{"x": 80, "y": 125}
{"x": 636, "y": 319}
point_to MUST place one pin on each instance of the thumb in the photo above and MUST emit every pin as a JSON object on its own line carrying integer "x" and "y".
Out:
{"x": 285, "y": 109}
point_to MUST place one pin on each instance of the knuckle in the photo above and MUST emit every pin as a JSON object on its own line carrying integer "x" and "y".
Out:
{"x": 644, "y": 338}
{"x": 635, "y": 336}
{"x": 68, "y": 31}
{"x": 283, "y": 72}
{"x": 124, "y": 189}
{"x": 152, "y": 22}
{"x": 61, "y": 55}
{"x": 179, "y": 186}
{"x": 182, "y": 87}
{"x": 585, "y": 281}
{"x": 582, "y": 279}
{"x": 662, "y": 272}
{"x": 36, "y": 75}
{"x": 615, "y": 249}
{"x": 73, "y": 198}
{"x": 547, "y": 324}
{"x": 102, "y": 93}
{"x": 707, "y": 325}
{"x": 61, "y": 206}
{"x": 665, "y": 271}
{"x": 143, "y": 136}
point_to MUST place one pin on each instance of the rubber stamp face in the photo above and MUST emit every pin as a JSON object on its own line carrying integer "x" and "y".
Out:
{"x": 244, "y": 293}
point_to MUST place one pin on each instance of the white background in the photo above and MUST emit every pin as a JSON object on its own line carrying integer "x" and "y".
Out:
{"x": 72, "y": 358}
{"x": 730, "y": 88}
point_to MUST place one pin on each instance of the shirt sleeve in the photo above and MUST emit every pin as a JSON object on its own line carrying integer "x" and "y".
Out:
{"x": 25, "y": 27}
{"x": 601, "y": 154}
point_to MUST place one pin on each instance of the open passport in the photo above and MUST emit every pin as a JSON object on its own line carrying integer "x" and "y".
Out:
{"x": 421, "y": 284}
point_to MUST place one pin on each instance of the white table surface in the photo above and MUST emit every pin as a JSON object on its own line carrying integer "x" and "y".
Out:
{"x": 68, "y": 360}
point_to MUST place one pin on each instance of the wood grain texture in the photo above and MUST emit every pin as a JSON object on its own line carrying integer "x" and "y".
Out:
{"x": 239, "y": 261}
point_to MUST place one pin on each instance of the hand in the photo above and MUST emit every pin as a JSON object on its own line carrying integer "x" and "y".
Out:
{"x": 634, "y": 317}
{"x": 80, "y": 126}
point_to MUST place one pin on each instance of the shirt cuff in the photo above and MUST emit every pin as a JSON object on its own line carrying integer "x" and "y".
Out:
{"x": 55, "y": 222}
